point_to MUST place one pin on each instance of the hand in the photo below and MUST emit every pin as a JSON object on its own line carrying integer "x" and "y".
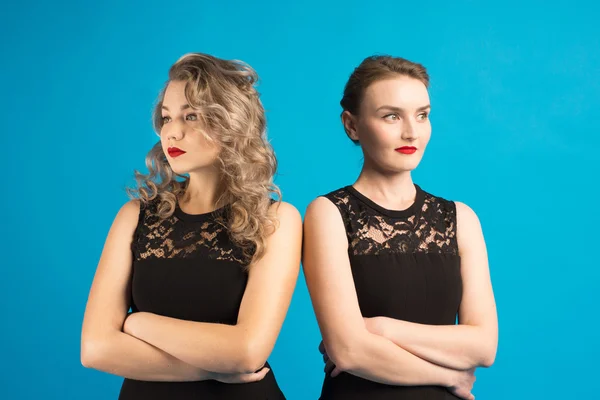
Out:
{"x": 330, "y": 367}
{"x": 464, "y": 384}
{"x": 241, "y": 378}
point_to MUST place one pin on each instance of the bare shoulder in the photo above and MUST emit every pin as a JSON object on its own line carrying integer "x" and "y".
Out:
{"x": 465, "y": 216}
{"x": 131, "y": 208}
{"x": 126, "y": 219}
{"x": 323, "y": 210}
{"x": 324, "y": 226}
{"x": 129, "y": 212}
{"x": 468, "y": 228}
{"x": 285, "y": 211}
{"x": 288, "y": 220}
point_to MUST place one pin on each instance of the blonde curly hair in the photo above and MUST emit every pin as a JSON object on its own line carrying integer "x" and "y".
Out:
{"x": 223, "y": 94}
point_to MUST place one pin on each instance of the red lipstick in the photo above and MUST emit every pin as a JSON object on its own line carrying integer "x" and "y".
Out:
{"x": 406, "y": 149}
{"x": 175, "y": 152}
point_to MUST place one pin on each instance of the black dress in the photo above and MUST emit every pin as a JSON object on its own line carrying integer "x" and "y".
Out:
{"x": 186, "y": 267}
{"x": 405, "y": 266}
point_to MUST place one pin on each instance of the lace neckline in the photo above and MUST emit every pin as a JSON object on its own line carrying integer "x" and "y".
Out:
{"x": 182, "y": 215}
{"x": 411, "y": 210}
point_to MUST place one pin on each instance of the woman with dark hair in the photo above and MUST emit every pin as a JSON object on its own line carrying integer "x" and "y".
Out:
{"x": 390, "y": 266}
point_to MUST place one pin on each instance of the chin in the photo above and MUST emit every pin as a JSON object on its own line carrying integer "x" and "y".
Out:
{"x": 180, "y": 171}
{"x": 405, "y": 169}
{"x": 406, "y": 166}
{"x": 201, "y": 168}
{"x": 409, "y": 165}
{"x": 177, "y": 169}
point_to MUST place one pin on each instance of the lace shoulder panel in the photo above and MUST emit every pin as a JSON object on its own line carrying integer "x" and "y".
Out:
{"x": 429, "y": 228}
{"x": 172, "y": 237}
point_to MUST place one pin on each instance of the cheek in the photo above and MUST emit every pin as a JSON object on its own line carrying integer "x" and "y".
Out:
{"x": 378, "y": 134}
{"x": 164, "y": 143}
{"x": 205, "y": 147}
{"x": 205, "y": 144}
{"x": 425, "y": 134}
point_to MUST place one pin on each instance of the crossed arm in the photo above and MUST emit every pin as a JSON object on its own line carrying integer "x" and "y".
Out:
{"x": 146, "y": 346}
{"x": 473, "y": 342}
{"x": 391, "y": 351}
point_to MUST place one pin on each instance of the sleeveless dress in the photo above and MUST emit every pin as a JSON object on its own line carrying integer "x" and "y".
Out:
{"x": 405, "y": 265}
{"x": 187, "y": 267}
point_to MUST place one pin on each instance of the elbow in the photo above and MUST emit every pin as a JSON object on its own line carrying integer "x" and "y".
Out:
{"x": 95, "y": 351}
{"x": 250, "y": 363}
{"x": 91, "y": 353}
{"x": 344, "y": 361}
{"x": 251, "y": 358}
{"x": 489, "y": 358}
{"x": 344, "y": 354}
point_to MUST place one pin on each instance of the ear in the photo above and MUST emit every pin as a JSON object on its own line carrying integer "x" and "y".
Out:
{"x": 349, "y": 122}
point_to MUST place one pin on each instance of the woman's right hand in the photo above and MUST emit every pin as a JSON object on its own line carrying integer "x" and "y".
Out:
{"x": 241, "y": 378}
{"x": 463, "y": 384}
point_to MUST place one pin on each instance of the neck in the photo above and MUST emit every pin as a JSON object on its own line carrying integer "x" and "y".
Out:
{"x": 394, "y": 189}
{"x": 203, "y": 191}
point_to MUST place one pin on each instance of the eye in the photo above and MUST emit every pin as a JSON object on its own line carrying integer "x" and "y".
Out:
{"x": 422, "y": 116}
{"x": 391, "y": 117}
{"x": 191, "y": 117}
{"x": 166, "y": 119}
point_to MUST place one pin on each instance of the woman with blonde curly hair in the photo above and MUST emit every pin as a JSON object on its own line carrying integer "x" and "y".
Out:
{"x": 204, "y": 257}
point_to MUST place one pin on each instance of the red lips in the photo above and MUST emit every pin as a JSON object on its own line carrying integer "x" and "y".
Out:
{"x": 406, "y": 149}
{"x": 175, "y": 152}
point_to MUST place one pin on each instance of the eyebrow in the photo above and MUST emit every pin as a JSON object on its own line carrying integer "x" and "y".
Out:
{"x": 400, "y": 110}
{"x": 183, "y": 107}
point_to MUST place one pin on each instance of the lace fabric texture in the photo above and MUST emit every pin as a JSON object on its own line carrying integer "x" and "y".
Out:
{"x": 173, "y": 237}
{"x": 429, "y": 226}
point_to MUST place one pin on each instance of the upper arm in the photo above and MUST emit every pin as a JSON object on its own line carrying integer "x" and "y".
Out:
{"x": 478, "y": 306}
{"x": 271, "y": 283}
{"x": 329, "y": 278}
{"x": 108, "y": 300}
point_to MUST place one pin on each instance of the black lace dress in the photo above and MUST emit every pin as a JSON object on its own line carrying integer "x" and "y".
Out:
{"x": 187, "y": 267}
{"x": 405, "y": 265}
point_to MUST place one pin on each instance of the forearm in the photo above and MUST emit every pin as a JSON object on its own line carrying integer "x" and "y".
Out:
{"x": 377, "y": 359}
{"x": 209, "y": 346}
{"x": 126, "y": 356}
{"x": 453, "y": 346}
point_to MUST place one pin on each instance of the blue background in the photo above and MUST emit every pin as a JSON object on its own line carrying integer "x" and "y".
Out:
{"x": 515, "y": 94}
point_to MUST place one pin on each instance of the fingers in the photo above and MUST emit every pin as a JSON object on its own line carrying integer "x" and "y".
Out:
{"x": 469, "y": 396}
{"x": 256, "y": 376}
{"x": 336, "y": 371}
{"x": 329, "y": 367}
{"x": 262, "y": 373}
{"x": 321, "y": 347}
{"x": 325, "y": 358}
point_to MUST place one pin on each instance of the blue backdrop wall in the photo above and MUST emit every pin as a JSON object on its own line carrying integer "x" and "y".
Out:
{"x": 515, "y": 135}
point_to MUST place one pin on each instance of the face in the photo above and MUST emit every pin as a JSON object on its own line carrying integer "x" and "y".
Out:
{"x": 393, "y": 125}
{"x": 182, "y": 138}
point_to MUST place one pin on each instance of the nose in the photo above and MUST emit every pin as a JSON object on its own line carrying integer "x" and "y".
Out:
{"x": 174, "y": 131}
{"x": 409, "y": 131}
